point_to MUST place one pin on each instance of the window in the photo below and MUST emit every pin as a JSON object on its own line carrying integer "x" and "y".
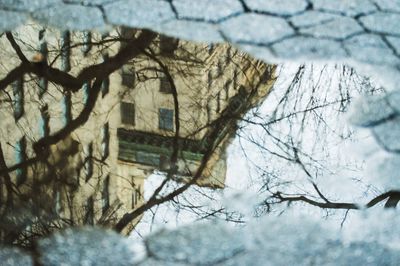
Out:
{"x": 44, "y": 121}
{"x": 127, "y": 113}
{"x": 42, "y": 44}
{"x": 105, "y": 141}
{"x": 67, "y": 107}
{"x": 89, "y": 215}
{"x": 65, "y": 51}
{"x": 211, "y": 49}
{"x": 105, "y": 195}
{"x": 136, "y": 195}
{"x": 168, "y": 45}
{"x": 148, "y": 158}
{"x": 235, "y": 79}
{"x": 127, "y": 76}
{"x": 58, "y": 202}
{"x": 87, "y": 39}
{"x": 88, "y": 166}
{"x": 220, "y": 68}
{"x": 18, "y": 91}
{"x": 165, "y": 85}
{"x": 105, "y": 85}
{"x": 227, "y": 87}
{"x": 165, "y": 162}
{"x": 2, "y": 194}
{"x": 43, "y": 84}
{"x": 218, "y": 102}
{"x": 228, "y": 55}
{"x": 209, "y": 79}
{"x": 85, "y": 89}
{"x": 166, "y": 119}
{"x": 20, "y": 152}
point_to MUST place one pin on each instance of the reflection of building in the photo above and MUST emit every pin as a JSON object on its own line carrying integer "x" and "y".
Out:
{"x": 96, "y": 174}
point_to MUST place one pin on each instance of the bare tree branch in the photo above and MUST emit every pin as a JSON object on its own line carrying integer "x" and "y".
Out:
{"x": 69, "y": 82}
{"x": 16, "y": 47}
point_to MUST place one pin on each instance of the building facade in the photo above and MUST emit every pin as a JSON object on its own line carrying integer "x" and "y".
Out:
{"x": 96, "y": 174}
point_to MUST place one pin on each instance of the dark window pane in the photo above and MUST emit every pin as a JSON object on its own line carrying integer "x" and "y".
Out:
{"x": 43, "y": 48}
{"x": 43, "y": 84}
{"x": 85, "y": 89}
{"x": 105, "y": 141}
{"x": 227, "y": 89}
{"x": 128, "y": 113}
{"x": 211, "y": 48}
{"x": 105, "y": 195}
{"x": 58, "y": 202}
{"x": 127, "y": 76}
{"x": 89, "y": 215}
{"x": 88, "y": 166}
{"x": 18, "y": 91}
{"x": 165, "y": 162}
{"x": 67, "y": 105}
{"x": 105, "y": 85}
{"x": 87, "y": 39}
{"x": 20, "y": 150}
{"x": 166, "y": 119}
{"x": 148, "y": 158}
{"x": 65, "y": 51}
{"x": 44, "y": 123}
{"x": 133, "y": 198}
{"x": 168, "y": 45}
{"x": 218, "y": 102}
{"x": 136, "y": 195}
{"x": 165, "y": 85}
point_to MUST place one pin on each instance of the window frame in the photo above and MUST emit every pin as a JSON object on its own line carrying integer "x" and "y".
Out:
{"x": 165, "y": 117}
{"x": 165, "y": 85}
{"x": 125, "y": 109}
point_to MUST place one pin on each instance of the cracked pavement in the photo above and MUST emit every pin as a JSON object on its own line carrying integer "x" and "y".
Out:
{"x": 362, "y": 33}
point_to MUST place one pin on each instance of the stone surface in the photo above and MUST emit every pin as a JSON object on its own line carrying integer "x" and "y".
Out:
{"x": 387, "y": 134}
{"x": 137, "y": 13}
{"x": 280, "y": 7}
{"x": 260, "y": 52}
{"x": 86, "y": 246}
{"x": 14, "y": 257}
{"x": 10, "y": 20}
{"x": 305, "y": 49}
{"x": 382, "y": 22}
{"x": 370, "y": 110}
{"x": 312, "y": 18}
{"x": 90, "y": 2}
{"x": 337, "y": 28}
{"x": 255, "y": 28}
{"x": 384, "y": 171}
{"x": 191, "y": 30}
{"x": 26, "y": 5}
{"x": 371, "y": 49}
{"x": 272, "y": 241}
{"x": 395, "y": 42}
{"x": 389, "y": 5}
{"x": 393, "y": 99}
{"x": 208, "y": 10}
{"x": 192, "y": 244}
{"x": 74, "y": 17}
{"x": 345, "y": 7}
